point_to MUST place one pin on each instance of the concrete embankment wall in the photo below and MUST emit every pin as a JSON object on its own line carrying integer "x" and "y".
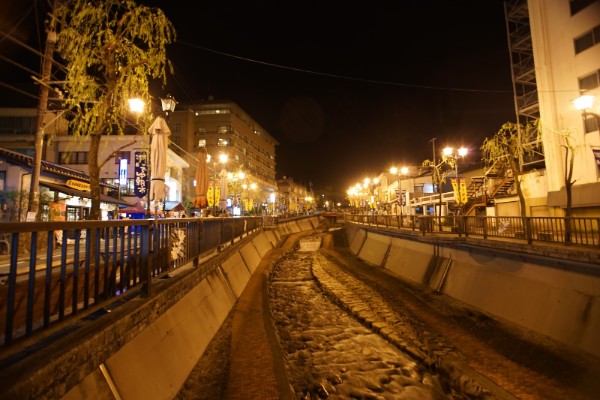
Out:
{"x": 557, "y": 297}
{"x": 156, "y": 361}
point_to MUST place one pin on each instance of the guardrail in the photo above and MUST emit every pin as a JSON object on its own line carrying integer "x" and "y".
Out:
{"x": 583, "y": 231}
{"x": 50, "y": 271}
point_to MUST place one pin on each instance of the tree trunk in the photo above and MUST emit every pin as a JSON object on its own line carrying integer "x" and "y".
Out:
{"x": 94, "y": 171}
{"x": 569, "y": 162}
{"x": 569, "y": 190}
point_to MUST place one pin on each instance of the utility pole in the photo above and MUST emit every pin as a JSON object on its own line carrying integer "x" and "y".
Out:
{"x": 34, "y": 191}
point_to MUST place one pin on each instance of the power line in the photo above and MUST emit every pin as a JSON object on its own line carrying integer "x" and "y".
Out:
{"x": 336, "y": 76}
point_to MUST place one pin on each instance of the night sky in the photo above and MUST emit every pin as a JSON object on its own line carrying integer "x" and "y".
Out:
{"x": 348, "y": 90}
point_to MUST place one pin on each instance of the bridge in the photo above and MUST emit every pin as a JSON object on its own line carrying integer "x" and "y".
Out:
{"x": 123, "y": 287}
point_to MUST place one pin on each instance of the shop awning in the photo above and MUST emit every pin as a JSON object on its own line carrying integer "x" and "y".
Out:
{"x": 80, "y": 193}
{"x": 174, "y": 206}
{"x": 135, "y": 209}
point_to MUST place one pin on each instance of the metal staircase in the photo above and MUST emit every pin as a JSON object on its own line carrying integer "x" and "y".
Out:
{"x": 479, "y": 192}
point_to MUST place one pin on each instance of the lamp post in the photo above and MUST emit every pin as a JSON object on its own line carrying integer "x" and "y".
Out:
{"x": 222, "y": 160}
{"x": 400, "y": 194}
{"x": 451, "y": 158}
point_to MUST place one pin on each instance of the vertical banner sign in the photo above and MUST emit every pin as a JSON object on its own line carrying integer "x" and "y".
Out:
{"x": 141, "y": 173}
{"x": 398, "y": 196}
{"x": 403, "y": 198}
{"x": 123, "y": 171}
{"x": 455, "y": 189}
{"x": 460, "y": 190}
{"x": 463, "y": 191}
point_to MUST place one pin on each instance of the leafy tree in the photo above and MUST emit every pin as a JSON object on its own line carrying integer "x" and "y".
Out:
{"x": 111, "y": 50}
{"x": 509, "y": 147}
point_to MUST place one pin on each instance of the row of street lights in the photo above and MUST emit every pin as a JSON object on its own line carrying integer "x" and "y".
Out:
{"x": 450, "y": 157}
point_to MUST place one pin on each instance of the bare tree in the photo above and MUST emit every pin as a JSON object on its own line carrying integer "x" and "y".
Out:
{"x": 569, "y": 148}
{"x": 111, "y": 50}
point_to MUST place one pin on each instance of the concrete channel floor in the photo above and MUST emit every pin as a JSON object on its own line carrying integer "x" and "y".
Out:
{"x": 244, "y": 360}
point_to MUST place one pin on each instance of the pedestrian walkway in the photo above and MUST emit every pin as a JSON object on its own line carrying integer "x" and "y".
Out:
{"x": 257, "y": 370}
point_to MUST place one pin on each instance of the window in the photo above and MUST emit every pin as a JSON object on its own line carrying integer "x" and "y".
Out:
{"x": 591, "y": 123}
{"x": 73, "y": 157}
{"x": 224, "y": 129}
{"x": 589, "y": 82}
{"x": 578, "y": 5}
{"x": 223, "y": 143}
{"x": 18, "y": 125}
{"x": 212, "y": 112}
{"x": 122, "y": 155}
{"x": 176, "y": 127}
{"x": 122, "y": 190}
{"x": 201, "y": 131}
{"x": 587, "y": 40}
{"x": 176, "y": 140}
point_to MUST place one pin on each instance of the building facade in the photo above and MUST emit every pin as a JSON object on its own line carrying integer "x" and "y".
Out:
{"x": 294, "y": 197}
{"x": 223, "y": 128}
{"x": 119, "y": 182}
{"x": 565, "y": 46}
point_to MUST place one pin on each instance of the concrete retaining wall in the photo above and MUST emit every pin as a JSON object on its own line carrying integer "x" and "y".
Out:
{"x": 556, "y": 297}
{"x": 158, "y": 360}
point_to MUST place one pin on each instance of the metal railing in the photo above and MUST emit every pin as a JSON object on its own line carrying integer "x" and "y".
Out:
{"x": 50, "y": 271}
{"x": 583, "y": 231}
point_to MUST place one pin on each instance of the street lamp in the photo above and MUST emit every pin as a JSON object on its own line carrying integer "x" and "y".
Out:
{"x": 222, "y": 160}
{"x": 451, "y": 158}
{"x": 168, "y": 106}
{"x": 400, "y": 193}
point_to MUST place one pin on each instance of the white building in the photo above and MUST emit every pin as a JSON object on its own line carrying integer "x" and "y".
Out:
{"x": 565, "y": 37}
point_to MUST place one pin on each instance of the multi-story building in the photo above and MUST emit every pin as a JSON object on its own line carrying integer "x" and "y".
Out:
{"x": 222, "y": 127}
{"x": 294, "y": 197}
{"x": 555, "y": 50}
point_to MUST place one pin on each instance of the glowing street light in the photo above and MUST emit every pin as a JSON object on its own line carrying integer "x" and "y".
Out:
{"x": 583, "y": 104}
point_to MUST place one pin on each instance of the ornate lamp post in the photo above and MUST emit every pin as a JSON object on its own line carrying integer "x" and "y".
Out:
{"x": 400, "y": 193}
{"x": 451, "y": 158}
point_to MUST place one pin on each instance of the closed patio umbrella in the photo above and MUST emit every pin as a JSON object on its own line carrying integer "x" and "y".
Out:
{"x": 201, "y": 200}
{"x": 158, "y": 158}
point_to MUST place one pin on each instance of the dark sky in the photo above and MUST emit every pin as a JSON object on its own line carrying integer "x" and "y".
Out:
{"x": 348, "y": 89}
